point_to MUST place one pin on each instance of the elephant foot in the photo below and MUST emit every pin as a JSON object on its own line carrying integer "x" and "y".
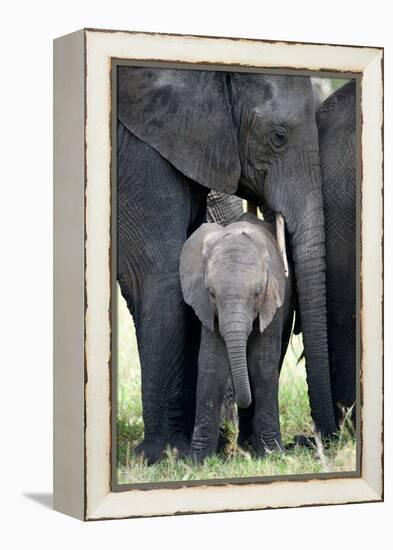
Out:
{"x": 198, "y": 457}
{"x": 311, "y": 442}
{"x": 151, "y": 450}
{"x": 262, "y": 446}
{"x": 180, "y": 446}
{"x": 199, "y": 453}
{"x": 304, "y": 441}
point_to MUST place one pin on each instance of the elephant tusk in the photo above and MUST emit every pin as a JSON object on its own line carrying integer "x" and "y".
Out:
{"x": 280, "y": 235}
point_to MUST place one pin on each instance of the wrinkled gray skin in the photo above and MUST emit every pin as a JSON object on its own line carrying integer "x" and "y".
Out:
{"x": 225, "y": 209}
{"x": 336, "y": 119}
{"x": 234, "y": 280}
{"x": 222, "y": 208}
{"x": 180, "y": 133}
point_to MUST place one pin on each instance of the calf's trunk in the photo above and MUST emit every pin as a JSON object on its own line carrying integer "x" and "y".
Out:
{"x": 236, "y": 343}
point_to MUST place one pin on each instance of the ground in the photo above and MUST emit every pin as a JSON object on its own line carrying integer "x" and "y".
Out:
{"x": 294, "y": 417}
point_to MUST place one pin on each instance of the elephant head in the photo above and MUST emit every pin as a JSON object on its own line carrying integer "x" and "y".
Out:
{"x": 253, "y": 135}
{"x": 235, "y": 274}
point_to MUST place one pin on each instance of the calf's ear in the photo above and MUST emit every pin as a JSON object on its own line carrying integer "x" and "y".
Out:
{"x": 192, "y": 272}
{"x": 273, "y": 299}
{"x": 274, "y": 268}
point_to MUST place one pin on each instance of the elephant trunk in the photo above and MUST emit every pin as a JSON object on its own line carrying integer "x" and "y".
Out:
{"x": 236, "y": 343}
{"x": 308, "y": 248}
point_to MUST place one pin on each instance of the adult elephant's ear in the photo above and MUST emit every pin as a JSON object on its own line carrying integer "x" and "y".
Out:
{"x": 186, "y": 116}
{"x": 192, "y": 272}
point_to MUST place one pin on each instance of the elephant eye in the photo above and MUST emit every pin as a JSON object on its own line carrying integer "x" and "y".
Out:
{"x": 257, "y": 294}
{"x": 211, "y": 292}
{"x": 279, "y": 138}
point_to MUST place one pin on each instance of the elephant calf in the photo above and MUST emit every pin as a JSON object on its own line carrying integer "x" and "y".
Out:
{"x": 230, "y": 276}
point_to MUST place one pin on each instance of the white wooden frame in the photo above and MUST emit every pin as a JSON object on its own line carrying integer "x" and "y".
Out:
{"x": 82, "y": 420}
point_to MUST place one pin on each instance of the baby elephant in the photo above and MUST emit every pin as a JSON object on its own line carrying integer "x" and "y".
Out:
{"x": 230, "y": 277}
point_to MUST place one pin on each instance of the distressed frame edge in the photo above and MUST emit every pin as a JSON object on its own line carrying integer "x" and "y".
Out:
{"x": 104, "y": 510}
{"x": 376, "y": 493}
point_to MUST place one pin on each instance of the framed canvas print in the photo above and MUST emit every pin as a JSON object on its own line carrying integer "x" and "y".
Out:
{"x": 218, "y": 274}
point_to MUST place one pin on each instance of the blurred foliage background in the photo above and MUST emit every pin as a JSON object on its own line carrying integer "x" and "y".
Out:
{"x": 327, "y": 86}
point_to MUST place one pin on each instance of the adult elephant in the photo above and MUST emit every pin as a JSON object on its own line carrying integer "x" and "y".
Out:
{"x": 336, "y": 119}
{"x": 180, "y": 133}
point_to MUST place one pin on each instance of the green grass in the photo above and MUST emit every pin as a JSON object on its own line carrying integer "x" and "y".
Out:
{"x": 294, "y": 417}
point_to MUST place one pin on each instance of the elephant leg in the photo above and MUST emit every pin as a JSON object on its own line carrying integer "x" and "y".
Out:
{"x": 246, "y": 417}
{"x": 213, "y": 374}
{"x": 341, "y": 298}
{"x": 157, "y": 209}
{"x": 341, "y": 293}
{"x": 264, "y": 366}
{"x": 342, "y": 348}
{"x": 225, "y": 209}
{"x": 228, "y": 416}
{"x": 162, "y": 336}
{"x": 228, "y": 408}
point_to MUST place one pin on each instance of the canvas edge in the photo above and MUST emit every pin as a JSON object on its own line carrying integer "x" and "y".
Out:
{"x": 68, "y": 274}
